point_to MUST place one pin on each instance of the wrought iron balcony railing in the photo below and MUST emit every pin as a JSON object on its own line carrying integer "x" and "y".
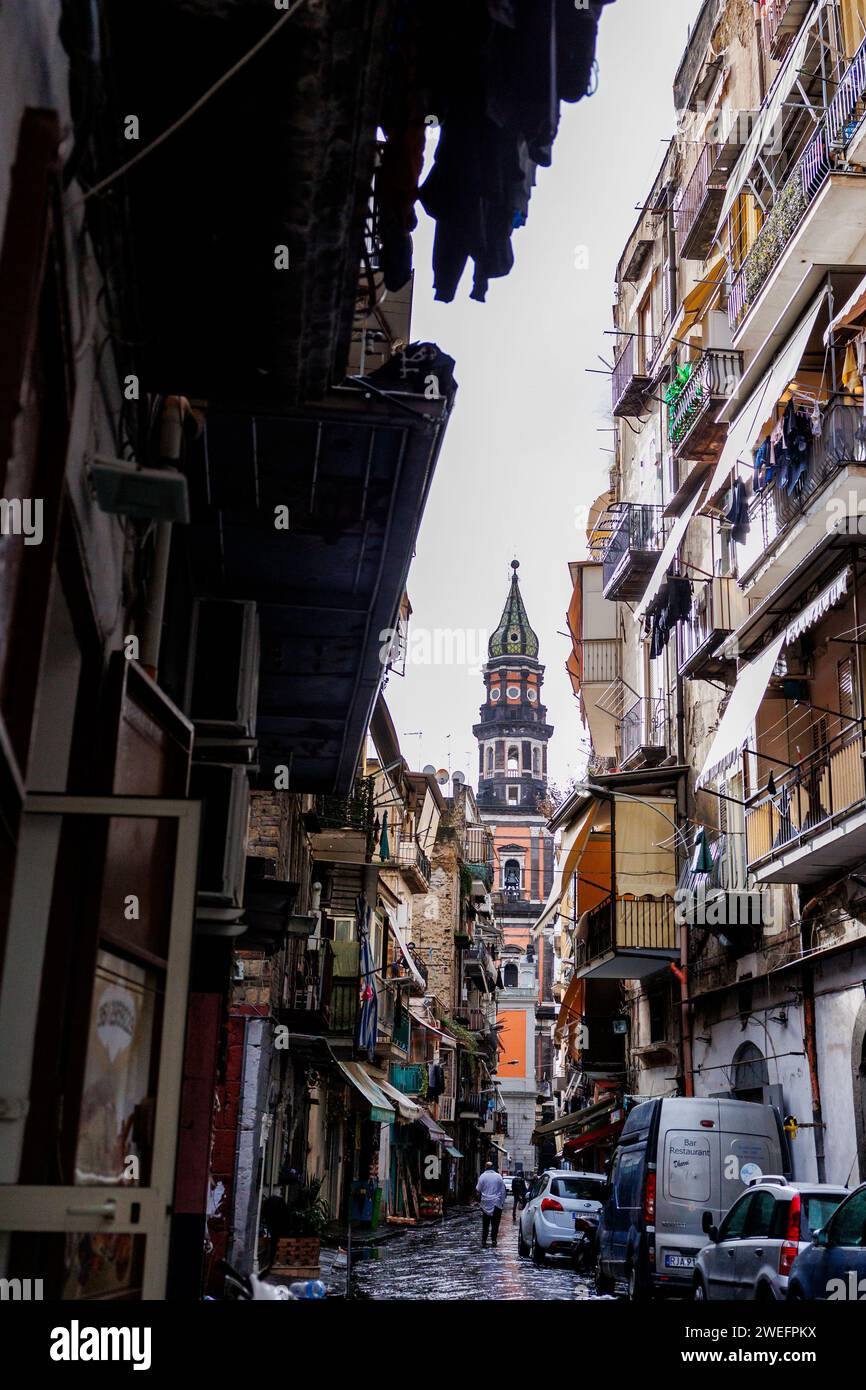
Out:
{"x": 697, "y": 211}
{"x": 626, "y": 929}
{"x": 797, "y": 194}
{"x": 692, "y": 428}
{"x": 718, "y": 608}
{"x": 631, "y": 553}
{"x": 841, "y": 442}
{"x": 644, "y": 731}
{"x": 780, "y": 20}
{"x": 630, "y": 380}
{"x": 818, "y": 793}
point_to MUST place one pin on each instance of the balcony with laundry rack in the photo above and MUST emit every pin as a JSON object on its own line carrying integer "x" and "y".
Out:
{"x": 718, "y": 608}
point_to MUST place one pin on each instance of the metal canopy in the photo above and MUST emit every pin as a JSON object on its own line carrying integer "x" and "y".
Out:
{"x": 354, "y": 474}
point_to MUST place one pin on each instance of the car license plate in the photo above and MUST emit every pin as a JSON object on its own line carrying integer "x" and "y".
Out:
{"x": 679, "y": 1261}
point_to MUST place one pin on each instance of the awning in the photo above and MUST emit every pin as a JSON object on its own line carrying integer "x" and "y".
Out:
{"x": 819, "y": 607}
{"x": 571, "y": 1007}
{"x": 593, "y": 1137}
{"x": 381, "y": 1108}
{"x": 451, "y": 1151}
{"x": 645, "y": 860}
{"x": 438, "y": 1135}
{"x": 763, "y": 401}
{"x": 754, "y": 678}
{"x": 574, "y": 838}
{"x": 404, "y": 949}
{"x": 698, "y": 297}
{"x": 494, "y": 1145}
{"x": 855, "y": 306}
{"x": 447, "y": 1039}
{"x": 743, "y": 706}
{"x": 762, "y": 130}
{"x": 408, "y": 1110}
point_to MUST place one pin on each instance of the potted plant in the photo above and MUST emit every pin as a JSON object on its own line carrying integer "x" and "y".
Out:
{"x": 298, "y": 1226}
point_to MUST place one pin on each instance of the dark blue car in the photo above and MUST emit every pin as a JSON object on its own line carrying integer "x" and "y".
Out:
{"x": 833, "y": 1267}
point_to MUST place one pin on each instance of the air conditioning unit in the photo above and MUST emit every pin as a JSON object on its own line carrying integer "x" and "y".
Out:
{"x": 223, "y": 673}
{"x": 224, "y": 792}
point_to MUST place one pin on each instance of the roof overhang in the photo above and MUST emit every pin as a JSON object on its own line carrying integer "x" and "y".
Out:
{"x": 354, "y": 472}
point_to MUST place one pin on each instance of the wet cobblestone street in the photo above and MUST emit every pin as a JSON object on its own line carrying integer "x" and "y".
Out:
{"x": 445, "y": 1261}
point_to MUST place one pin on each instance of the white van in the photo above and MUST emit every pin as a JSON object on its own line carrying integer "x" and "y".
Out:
{"x": 676, "y": 1159}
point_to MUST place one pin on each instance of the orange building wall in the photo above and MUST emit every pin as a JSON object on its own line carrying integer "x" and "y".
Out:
{"x": 512, "y": 1042}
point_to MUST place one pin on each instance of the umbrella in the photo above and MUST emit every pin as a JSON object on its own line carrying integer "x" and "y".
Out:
{"x": 384, "y": 847}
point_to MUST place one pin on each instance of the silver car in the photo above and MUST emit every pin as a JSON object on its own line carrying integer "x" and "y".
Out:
{"x": 750, "y": 1255}
{"x": 547, "y": 1221}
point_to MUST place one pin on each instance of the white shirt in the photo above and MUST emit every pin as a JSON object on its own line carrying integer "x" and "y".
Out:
{"x": 492, "y": 1190}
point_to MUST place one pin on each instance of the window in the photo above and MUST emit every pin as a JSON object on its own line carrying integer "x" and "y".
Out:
{"x": 510, "y": 975}
{"x": 490, "y": 762}
{"x": 514, "y": 759}
{"x": 495, "y": 693}
{"x": 513, "y": 692}
{"x": 536, "y": 762}
{"x": 511, "y": 875}
{"x": 815, "y": 1212}
{"x": 735, "y": 1222}
{"x": 628, "y": 1180}
{"x": 657, "y": 1014}
{"x": 344, "y": 929}
{"x": 513, "y": 794}
{"x": 761, "y": 1217}
{"x": 532, "y": 694}
{"x": 578, "y": 1188}
{"x": 848, "y": 1226}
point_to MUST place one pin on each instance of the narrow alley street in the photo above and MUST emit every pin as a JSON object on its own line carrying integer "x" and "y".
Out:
{"x": 446, "y": 1261}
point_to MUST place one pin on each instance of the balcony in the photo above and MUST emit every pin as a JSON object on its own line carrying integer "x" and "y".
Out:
{"x": 780, "y": 21}
{"x": 630, "y": 382}
{"x": 473, "y": 1019}
{"x": 478, "y": 963}
{"x": 817, "y": 218}
{"x": 627, "y": 938}
{"x": 478, "y": 852}
{"x": 693, "y": 430}
{"x": 784, "y": 527}
{"x": 309, "y": 973}
{"x": 406, "y": 854}
{"x": 644, "y": 734}
{"x": 848, "y": 109}
{"x": 632, "y": 552}
{"x": 696, "y": 214}
{"x": 341, "y": 828}
{"x": 600, "y": 661}
{"x": 472, "y": 1106}
{"x": 408, "y": 1077}
{"x": 816, "y": 820}
{"x": 718, "y": 608}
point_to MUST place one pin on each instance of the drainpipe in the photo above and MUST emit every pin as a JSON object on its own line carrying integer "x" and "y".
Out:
{"x": 681, "y": 971}
{"x": 810, "y": 1044}
{"x": 174, "y": 412}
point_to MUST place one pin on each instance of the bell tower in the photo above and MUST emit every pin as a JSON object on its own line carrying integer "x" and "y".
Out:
{"x": 513, "y": 732}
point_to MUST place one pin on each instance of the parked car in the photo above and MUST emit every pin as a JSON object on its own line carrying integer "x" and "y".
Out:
{"x": 678, "y": 1157}
{"x": 833, "y": 1267}
{"x": 750, "y": 1255}
{"x": 508, "y": 1179}
{"x": 555, "y": 1198}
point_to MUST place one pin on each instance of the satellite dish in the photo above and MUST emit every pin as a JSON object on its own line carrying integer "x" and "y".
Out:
{"x": 429, "y": 769}
{"x": 442, "y": 777}
{"x": 458, "y": 779}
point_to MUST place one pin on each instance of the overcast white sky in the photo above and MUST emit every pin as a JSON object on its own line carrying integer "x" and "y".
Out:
{"x": 525, "y": 445}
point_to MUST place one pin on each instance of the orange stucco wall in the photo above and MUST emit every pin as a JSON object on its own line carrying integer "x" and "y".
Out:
{"x": 512, "y": 1041}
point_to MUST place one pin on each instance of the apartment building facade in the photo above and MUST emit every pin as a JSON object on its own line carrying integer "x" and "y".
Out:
{"x": 716, "y": 621}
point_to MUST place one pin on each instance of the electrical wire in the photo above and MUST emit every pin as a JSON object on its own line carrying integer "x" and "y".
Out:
{"x": 196, "y": 106}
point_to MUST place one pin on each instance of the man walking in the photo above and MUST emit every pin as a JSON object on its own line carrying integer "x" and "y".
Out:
{"x": 518, "y": 1192}
{"x": 491, "y": 1194}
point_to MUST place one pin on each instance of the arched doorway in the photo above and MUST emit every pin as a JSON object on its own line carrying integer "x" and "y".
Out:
{"x": 749, "y": 1073}
{"x": 510, "y": 975}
